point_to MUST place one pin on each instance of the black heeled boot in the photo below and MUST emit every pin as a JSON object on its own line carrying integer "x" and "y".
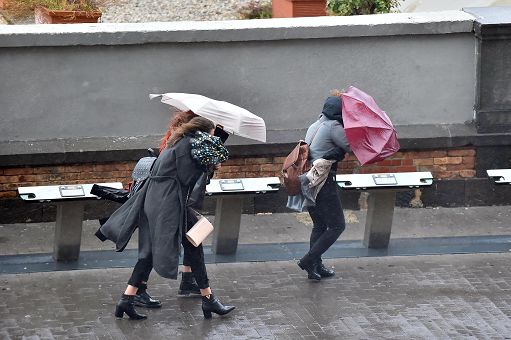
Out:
{"x": 188, "y": 285}
{"x": 126, "y": 305}
{"x": 143, "y": 299}
{"x": 210, "y": 304}
{"x": 324, "y": 271}
{"x": 312, "y": 274}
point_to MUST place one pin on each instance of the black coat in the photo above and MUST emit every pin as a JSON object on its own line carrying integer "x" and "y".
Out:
{"x": 158, "y": 209}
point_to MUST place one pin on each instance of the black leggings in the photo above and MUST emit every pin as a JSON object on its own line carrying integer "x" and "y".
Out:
{"x": 328, "y": 219}
{"x": 193, "y": 257}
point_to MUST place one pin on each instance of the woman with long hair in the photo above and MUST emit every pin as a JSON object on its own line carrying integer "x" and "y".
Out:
{"x": 159, "y": 210}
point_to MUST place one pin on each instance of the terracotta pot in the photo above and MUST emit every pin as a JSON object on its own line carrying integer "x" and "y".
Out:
{"x": 298, "y": 8}
{"x": 45, "y": 16}
{"x": 4, "y": 4}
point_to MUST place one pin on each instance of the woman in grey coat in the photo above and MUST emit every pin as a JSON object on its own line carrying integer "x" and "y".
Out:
{"x": 160, "y": 210}
{"x": 327, "y": 140}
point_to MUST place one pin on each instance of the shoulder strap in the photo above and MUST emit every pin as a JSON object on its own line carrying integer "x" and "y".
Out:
{"x": 315, "y": 132}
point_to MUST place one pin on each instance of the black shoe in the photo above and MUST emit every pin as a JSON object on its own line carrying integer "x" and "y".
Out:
{"x": 213, "y": 305}
{"x": 310, "y": 269}
{"x": 188, "y": 285}
{"x": 143, "y": 299}
{"x": 126, "y": 305}
{"x": 324, "y": 271}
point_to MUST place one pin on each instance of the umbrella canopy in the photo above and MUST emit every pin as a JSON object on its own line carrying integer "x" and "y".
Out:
{"x": 234, "y": 119}
{"x": 370, "y": 132}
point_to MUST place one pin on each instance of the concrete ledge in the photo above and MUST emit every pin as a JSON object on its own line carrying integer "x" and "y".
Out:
{"x": 445, "y": 22}
{"x": 280, "y": 142}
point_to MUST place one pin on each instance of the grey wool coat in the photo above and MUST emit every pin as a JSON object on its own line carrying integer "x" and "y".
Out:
{"x": 158, "y": 209}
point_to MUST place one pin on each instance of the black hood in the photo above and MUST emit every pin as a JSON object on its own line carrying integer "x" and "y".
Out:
{"x": 333, "y": 108}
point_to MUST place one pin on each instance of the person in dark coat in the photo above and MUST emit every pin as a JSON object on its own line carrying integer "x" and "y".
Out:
{"x": 159, "y": 210}
{"x": 328, "y": 142}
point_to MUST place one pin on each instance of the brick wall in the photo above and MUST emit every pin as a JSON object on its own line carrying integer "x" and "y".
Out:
{"x": 444, "y": 164}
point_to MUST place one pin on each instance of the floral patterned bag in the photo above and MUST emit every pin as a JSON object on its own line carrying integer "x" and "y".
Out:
{"x": 208, "y": 150}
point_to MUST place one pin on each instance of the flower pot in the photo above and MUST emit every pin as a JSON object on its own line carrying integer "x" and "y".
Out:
{"x": 298, "y": 8}
{"x": 4, "y": 4}
{"x": 45, "y": 16}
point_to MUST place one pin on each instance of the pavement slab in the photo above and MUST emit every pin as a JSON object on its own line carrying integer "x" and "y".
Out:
{"x": 419, "y": 297}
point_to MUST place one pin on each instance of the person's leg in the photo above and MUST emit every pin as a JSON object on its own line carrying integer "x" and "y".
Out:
{"x": 328, "y": 211}
{"x": 145, "y": 266}
{"x": 127, "y": 302}
{"x": 142, "y": 298}
{"x": 188, "y": 284}
{"x": 195, "y": 257}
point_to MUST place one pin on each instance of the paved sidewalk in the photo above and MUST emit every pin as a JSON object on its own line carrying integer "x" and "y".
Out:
{"x": 391, "y": 297}
{"x": 421, "y": 297}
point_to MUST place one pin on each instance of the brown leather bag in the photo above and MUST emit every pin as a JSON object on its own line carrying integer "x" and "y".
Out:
{"x": 295, "y": 164}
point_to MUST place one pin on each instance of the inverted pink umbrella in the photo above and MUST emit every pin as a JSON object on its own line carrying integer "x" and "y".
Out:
{"x": 370, "y": 132}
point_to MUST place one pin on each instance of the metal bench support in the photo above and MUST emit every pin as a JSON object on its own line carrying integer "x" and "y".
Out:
{"x": 227, "y": 224}
{"x": 380, "y": 211}
{"x": 68, "y": 230}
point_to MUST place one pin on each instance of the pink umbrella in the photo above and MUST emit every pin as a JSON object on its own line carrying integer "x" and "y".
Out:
{"x": 370, "y": 132}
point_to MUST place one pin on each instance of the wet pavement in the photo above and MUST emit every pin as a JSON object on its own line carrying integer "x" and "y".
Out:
{"x": 379, "y": 295}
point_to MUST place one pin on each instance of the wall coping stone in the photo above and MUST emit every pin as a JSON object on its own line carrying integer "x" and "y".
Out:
{"x": 117, "y": 149}
{"x": 392, "y": 24}
{"x": 491, "y": 22}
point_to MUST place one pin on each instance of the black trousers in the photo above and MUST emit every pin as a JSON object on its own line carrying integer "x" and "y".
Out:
{"x": 193, "y": 257}
{"x": 328, "y": 219}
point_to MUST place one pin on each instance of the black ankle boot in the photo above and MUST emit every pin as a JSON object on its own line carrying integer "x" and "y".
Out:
{"x": 324, "y": 271}
{"x": 126, "y": 305}
{"x": 143, "y": 299}
{"x": 213, "y": 305}
{"x": 188, "y": 285}
{"x": 310, "y": 269}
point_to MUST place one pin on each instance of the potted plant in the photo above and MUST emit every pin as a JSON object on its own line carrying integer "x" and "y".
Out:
{"x": 57, "y": 11}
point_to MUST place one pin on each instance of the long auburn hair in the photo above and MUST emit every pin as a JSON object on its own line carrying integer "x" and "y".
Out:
{"x": 195, "y": 124}
{"x": 179, "y": 119}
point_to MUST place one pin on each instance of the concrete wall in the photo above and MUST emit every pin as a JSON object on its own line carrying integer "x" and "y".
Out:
{"x": 94, "y": 80}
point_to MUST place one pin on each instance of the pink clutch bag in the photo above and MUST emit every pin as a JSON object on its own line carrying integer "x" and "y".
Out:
{"x": 199, "y": 231}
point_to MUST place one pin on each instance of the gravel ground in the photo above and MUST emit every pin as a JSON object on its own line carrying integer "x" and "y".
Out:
{"x": 171, "y": 10}
{"x": 125, "y": 11}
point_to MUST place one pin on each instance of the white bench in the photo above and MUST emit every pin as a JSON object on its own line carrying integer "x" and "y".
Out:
{"x": 229, "y": 195}
{"x": 500, "y": 176}
{"x": 382, "y": 190}
{"x": 70, "y": 200}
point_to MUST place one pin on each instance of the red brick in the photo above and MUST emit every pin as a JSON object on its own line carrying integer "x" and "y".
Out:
{"x": 408, "y": 162}
{"x": 470, "y": 161}
{"x": 235, "y": 161}
{"x": 261, "y": 160}
{"x": 461, "y": 152}
{"x": 47, "y": 170}
{"x": 423, "y": 161}
{"x": 467, "y": 173}
{"x": 426, "y": 154}
{"x": 405, "y": 169}
{"x": 9, "y": 179}
{"x": 11, "y": 186}
{"x": 443, "y": 160}
{"x": 18, "y": 171}
{"x": 457, "y": 167}
{"x": 271, "y": 167}
{"x": 8, "y": 194}
{"x": 446, "y": 174}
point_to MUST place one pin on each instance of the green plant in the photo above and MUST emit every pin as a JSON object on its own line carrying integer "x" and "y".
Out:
{"x": 360, "y": 7}
{"x": 255, "y": 10}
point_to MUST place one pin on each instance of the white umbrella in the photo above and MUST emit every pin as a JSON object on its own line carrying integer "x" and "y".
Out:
{"x": 234, "y": 119}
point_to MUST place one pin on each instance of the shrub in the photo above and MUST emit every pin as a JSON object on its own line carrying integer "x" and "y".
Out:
{"x": 360, "y": 7}
{"x": 255, "y": 10}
